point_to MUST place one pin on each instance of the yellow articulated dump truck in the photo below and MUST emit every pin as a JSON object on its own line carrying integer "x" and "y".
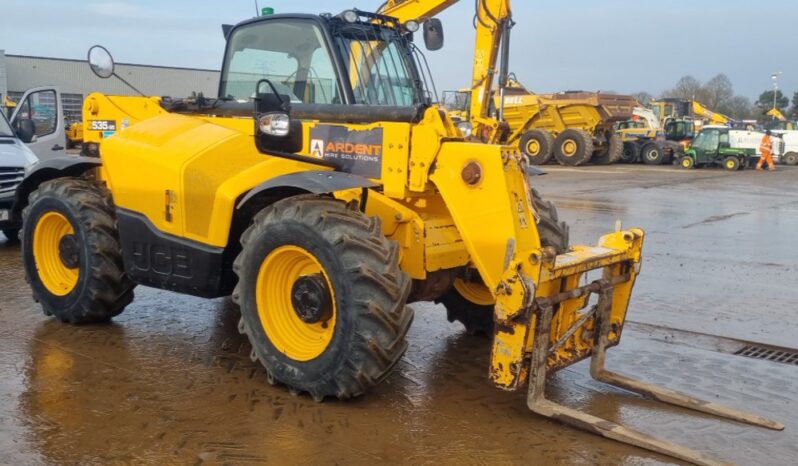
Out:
{"x": 324, "y": 194}
{"x": 572, "y": 128}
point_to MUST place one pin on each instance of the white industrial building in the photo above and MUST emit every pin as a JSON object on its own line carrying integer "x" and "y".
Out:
{"x": 75, "y": 80}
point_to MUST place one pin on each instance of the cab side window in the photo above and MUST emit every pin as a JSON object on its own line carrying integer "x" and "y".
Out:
{"x": 291, "y": 54}
{"x": 41, "y": 108}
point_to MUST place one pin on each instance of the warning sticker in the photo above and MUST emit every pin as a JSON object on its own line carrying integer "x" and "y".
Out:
{"x": 351, "y": 151}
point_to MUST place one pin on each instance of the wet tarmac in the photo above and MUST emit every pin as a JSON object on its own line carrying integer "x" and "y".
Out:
{"x": 170, "y": 381}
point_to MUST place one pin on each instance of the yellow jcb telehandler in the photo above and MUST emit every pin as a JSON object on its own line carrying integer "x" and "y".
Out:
{"x": 325, "y": 192}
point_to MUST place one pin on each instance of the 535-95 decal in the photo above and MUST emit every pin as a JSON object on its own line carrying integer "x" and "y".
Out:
{"x": 102, "y": 125}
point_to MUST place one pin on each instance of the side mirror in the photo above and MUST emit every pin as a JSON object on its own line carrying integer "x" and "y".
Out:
{"x": 26, "y": 130}
{"x": 101, "y": 62}
{"x": 433, "y": 34}
{"x": 274, "y": 128}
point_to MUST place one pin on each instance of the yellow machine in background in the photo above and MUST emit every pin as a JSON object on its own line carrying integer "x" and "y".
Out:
{"x": 9, "y": 105}
{"x": 572, "y": 127}
{"x": 669, "y": 109}
{"x": 323, "y": 199}
{"x": 74, "y": 134}
{"x": 778, "y": 121}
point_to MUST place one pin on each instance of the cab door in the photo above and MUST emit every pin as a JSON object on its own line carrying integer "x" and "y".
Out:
{"x": 42, "y": 106}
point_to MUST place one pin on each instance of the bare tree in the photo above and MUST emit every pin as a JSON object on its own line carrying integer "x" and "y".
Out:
{"x": 740, "y": 108}
{"x": 687, "y": 87}
{"x": 718, "y": 92}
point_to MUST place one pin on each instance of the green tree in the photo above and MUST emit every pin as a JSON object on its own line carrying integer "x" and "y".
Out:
{"x": 765, "y": 100}
{"x": 794, "y": 110}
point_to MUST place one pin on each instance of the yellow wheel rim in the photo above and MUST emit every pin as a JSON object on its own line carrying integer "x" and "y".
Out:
{"x": 569, "y": 147}
{"x": 686, "y": 163}
{"x": 532, "y": 147}
{"x": 474, "y": 292}
{"x": 59, "y": 279}
{"x": 297, "y": 339}
{"x": 729, "y": 164}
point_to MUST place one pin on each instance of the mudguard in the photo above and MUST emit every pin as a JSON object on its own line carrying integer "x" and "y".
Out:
{"x": 313, "y": 181}
{"x": 49, "y": 169}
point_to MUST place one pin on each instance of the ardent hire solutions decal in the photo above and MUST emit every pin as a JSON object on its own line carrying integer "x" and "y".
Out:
{"x": 351, "y": 151}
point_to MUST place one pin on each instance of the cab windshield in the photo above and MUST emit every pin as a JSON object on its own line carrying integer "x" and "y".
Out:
{"x": 293, "y": 54}
{"x": 379, "y": 64}
{"x": 707, "y": 140}
{"x": 679, "y": 129}
{"x": 5, "y": 128}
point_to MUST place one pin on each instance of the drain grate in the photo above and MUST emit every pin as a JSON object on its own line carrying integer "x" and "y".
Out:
{"x": 770, "y": 354}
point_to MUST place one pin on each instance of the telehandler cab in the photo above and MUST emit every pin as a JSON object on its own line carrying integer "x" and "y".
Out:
{"x": 324, "y": 191}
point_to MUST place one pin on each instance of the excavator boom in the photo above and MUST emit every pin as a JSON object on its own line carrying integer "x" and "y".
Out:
{"x": 493, "y": 21}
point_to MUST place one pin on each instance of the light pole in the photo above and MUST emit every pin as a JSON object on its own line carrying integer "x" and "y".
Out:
{"x": 775, "y": 78}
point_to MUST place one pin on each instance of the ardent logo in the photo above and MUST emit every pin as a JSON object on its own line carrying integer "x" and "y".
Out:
{"x": 317, "y": 148}
{"x": 373, "y": 150}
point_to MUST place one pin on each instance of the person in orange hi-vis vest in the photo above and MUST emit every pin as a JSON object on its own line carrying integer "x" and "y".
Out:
{"x": 766, "y": 147}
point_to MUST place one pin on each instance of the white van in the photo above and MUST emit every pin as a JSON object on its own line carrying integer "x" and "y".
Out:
{"x": 787, "y": 146}
{"x": 38, "y": 121}
{"x": 15, "y": 157}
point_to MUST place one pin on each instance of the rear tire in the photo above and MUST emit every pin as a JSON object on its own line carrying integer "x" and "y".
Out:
{"x": 537, "y": 145}
{"x": 363, "y": 334}
{"x": 790, "y": 158}
{"x": 731, "y": 163}
{"x": 475, "y": 314}
{"x": 72, "y": 254}
{"x": 573, "y": 147}
{"x": 612, "y": 153}
{"x": 630, "y": 152}
{"x": 651, "y": 154}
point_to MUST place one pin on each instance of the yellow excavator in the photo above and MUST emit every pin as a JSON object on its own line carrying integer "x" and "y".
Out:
{"x": 778, "y": 121}
{"x": 323, "y": 194}
{"x": 669, "y": 109}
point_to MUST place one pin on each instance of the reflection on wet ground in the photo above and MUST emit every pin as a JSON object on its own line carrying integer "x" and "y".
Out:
{"x": 169, "y": 381}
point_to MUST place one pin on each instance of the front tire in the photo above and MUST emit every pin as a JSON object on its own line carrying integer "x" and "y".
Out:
{"x": 322, "y": 297}
{"x": 612, "y": 153}
{"x": 573, "y": 147}
{"x": 470, "y": 302}
{"x": 71, "y": 252}
{"x": 790, "y": 158}
{"x": 687, "y": 162}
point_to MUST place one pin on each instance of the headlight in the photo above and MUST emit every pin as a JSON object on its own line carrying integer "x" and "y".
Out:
{"x": 465, "y": 127}
{"x": 274, "y": 124}
{"x": 412, "y": 25}
{"x": 350, "y": 16}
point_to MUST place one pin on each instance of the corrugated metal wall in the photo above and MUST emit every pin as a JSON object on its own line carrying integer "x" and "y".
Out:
{"x": 3, "y": 87}
{"x": 75, "y": 77}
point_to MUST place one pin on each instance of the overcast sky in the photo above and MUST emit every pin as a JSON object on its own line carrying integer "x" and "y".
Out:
{"x": 593, "y": 45}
